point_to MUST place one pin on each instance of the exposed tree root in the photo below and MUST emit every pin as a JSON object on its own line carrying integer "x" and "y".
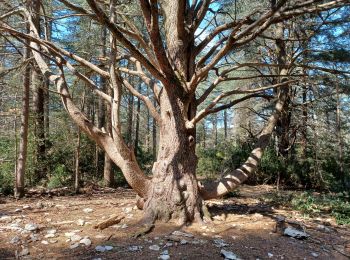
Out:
{"x": 115, "y": 219}
{"x": 145, "y": 229}
{"x": 206, "y": 213}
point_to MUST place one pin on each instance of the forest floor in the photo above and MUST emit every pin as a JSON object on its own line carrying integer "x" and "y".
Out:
{"x": 44, "y": 226}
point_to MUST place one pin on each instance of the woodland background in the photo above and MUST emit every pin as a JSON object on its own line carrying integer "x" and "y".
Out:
{"x": 309, "y": 149}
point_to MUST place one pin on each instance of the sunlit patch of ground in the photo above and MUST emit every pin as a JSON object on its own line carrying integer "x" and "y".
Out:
{"x": 244, "y": 225}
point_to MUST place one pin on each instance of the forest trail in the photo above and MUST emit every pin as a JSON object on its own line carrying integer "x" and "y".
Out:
{"x": 61, "y": 227}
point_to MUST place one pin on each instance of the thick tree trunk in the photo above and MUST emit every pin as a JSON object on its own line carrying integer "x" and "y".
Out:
{"x": 38, "y": 106}
{"x": 22, "y": 157}
{"x": 174, "y": 193}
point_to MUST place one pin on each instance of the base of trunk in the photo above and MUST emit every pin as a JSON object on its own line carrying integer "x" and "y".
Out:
{"x": 173, "y": 199}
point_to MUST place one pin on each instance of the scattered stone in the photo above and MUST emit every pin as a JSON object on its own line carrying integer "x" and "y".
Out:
{"x": 81, "y": 222}
{"x": 292, "y": 232}
{"x": 108, "y": 248}
{"x": 229, "y": 255}
{"x": 18, "y": 210}
{"x": 182, "y": 234}
{"x": 15, "y": 226}
{"x": 169, "y": 244}
{"x": 164, "y": 255}
{"x": 53, "y": 241}
{"x": 44, "y": 242}
{"x": 33, "y": 237}
{"x": 88, "y": 210}
{"x": 31, "y": 227}
{"x": 314, "y": 254}
{"x": 323, "y": 228}
{"x": 154, "y": 247}
{"x": 103, "y": 248}
{"x": 15, "y": 240}
{"x": 49, "y": 236}
{"x": 269, "y": 255}
{"x": 51, "y": 231}
{"x": 99, "y": 258}
{"x": 74, "y": 246}
{"x": 86, "y": 241}
{"x": 27, "y": 207}
{"x": 183, "y": 242}
{"x": 5, "y": 218}
{"x": 135, "y": 248}
{"x": 75, "y": 238}
{"x": 100, "y": 248}
{"x": 220, "y": 242}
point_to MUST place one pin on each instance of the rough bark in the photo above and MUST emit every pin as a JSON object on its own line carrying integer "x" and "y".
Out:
{"x": 38, "y": 104}
{"x": 22, "y": 156}
{"x": 174, "y": 193}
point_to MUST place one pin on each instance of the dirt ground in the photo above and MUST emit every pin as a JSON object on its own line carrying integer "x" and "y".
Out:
{"x": 243, "y": 225}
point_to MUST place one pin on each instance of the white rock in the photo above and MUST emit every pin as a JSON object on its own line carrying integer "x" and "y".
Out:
{"x": 292, "y": 232}
{"x": 18, "y": 210}
{"x": 74, "y": 246}
{"x": 323, "y": 228}
{"x": 5, "y": 218}
{"x": 154, "y": 247}
{"x": 314, "y": 254}
{"x": 75, "y": 238}
{"x": 88, "y": 210}
{"x": 164, "y": 255}
{"x": 44, "y": 242}
{"x": 183, "y": 234}
{"x": 15, "y": 240}
{"x": 100, "y": 248}
{"x": 51, "y": 231}
{"x": 124, "y": 226}
{"x": 108, "y": 248}
{"x": 81, "y": 222}
{"x": 269, "y": 255}
{"x": 183, "y": 242}
{"x": 49, "y": 236}
{"x": 135, "y": 248}
{"x": 27, "y": 207}
{"x": 99, "y": 258}
{"x": 86, "y": 241}
{"x": 31, "y": 227}
{"x": 165, "y": 252}
{"x": 169, "y": 244}
{"x": 229, "y": 255}
{"x": 53, "y": 241}
{"x": 220, "y": 243}
{"x": 33, "y": 237}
